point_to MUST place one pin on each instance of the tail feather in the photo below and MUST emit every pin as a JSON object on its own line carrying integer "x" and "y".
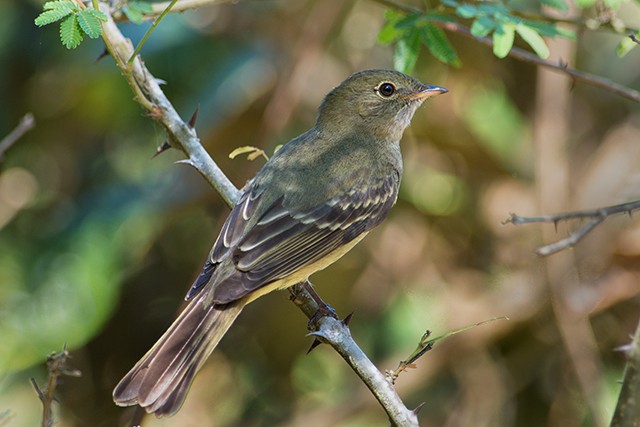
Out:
{"x": 160, "y": 380}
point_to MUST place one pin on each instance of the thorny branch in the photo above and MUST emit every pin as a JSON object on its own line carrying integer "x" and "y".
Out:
{"x": 627, "y": 410}
{"x": 183, "y": 136}
{"x": 57, "y": 366}
{"x": 595, "y": 217}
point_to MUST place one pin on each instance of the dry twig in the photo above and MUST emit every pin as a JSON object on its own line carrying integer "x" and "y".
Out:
{"x": 595, "y": 217}
{"x": 57, "y": 366}
{"x": 25, "y": 125}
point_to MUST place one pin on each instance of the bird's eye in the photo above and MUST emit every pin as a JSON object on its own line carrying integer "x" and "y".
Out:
{"x": 386, "y": 89}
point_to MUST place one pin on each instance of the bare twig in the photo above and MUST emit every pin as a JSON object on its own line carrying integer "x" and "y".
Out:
{"x": 634, "y": 38}
{"x": 426, "y": 343}
{"x": 27, "y": 122}
{"x": 57, "y": 366}
{"x": 627, "y": 412}
{"x": 424, "y": 346}
{"x": 151, "y": 30}
{"x": 595, "y": 216}
{"x": 183, "y": 136}
{"x": 523, "y": 55}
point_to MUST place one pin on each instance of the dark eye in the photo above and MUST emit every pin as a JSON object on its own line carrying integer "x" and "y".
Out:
{"x": 386, "y": 89}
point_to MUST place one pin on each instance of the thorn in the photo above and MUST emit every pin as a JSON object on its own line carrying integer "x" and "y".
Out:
{"x": 316, "y": 334}
{"x": 161, "y": 149}
{"x": 419, "y": 408}
{"x": 347, "y": 319}
{"x": 625, "y": 348}
{"x": 104, "y": 53}
{"x": 194, "y": 117}
{"x": 37, "y": 388}
{"x": 316, "y": 342}
{"x": 187, "y": 162}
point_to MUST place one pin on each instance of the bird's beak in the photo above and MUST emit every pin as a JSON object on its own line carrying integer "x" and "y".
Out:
{"x": 427, "y": 92}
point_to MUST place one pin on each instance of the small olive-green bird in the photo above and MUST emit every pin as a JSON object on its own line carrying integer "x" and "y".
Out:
{"x": 317, "y": 197}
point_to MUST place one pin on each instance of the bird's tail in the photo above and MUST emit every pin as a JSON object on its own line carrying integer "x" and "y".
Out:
{"x": 160, "y": 380}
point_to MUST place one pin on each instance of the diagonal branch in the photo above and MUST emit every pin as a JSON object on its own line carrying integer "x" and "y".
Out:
{"x": 595, "y": 217}
{"x": 27, "y": 122}
{"x": 183, "y": 136}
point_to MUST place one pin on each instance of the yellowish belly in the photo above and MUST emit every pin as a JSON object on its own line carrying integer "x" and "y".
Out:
{"x": 304, "y": 273}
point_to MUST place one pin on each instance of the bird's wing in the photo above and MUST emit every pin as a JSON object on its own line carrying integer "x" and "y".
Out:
{"x": 284, "y": 240}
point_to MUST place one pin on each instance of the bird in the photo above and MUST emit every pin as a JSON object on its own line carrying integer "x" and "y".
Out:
{"x": 308, "y": 205}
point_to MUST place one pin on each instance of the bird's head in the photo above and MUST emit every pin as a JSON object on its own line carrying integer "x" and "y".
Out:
{"x": 380, "y": 102}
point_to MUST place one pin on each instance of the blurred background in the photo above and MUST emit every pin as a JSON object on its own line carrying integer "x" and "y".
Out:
{"x": 99, "y": 242}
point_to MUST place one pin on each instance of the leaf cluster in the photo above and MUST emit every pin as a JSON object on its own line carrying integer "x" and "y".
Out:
{"x": 411, "y": 30}
{"x": 135, "y": 11}
{"x": 75, "y": 21}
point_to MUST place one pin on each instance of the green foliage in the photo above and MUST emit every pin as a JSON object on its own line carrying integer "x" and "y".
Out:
{"x": 75, "y": 22}
{"x": 410, "y": 31}
{"x": 89, "y": 20}
{"x": 406, "y": 52}
{"x": 496, "y": 19}
{"x": 626, "y": 44}
{"x": 560, "y": 5}
{"x": 503, "y": 38}
{"x": 436, "y": 41}
{"x": 533, "y": 39}
{"x": 135, "y": 11}
{"x": 71, "y": 32}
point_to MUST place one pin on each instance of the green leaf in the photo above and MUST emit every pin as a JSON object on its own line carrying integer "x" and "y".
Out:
{"x": 98, "y": 14}
{"x": 70, "y": 32}
{"x": 408, "y": 22}
{"x": 135, "y": 11}
{"x": 54, "y": 11}
{"x": 89, "y": 23}
{"x": 61, "y": 4}
{"x": 534, "y": 40}
{"x": 437, "y": 17}
{"x": 52, "y": 15}
{"x": 466, "y": 11}
{"x": 583, "y": 4}
{"x": 560, "y": 5}
{"x": 550, "y": 30}
{"x": 482, "y": 26}
{"x": 626, "y": 45}
{"x": 436, "y": 41}
{"x": 389, "y": 32}
{"x": 493, "y": 9}
{"x": 503, "y": 39}
{"x": 406, "y": 52}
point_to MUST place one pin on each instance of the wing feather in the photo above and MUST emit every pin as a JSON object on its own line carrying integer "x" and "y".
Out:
{"x": 284, "y": 240}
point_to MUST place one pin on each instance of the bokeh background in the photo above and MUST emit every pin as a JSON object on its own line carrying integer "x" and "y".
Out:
{"x": 99, "y": 243}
